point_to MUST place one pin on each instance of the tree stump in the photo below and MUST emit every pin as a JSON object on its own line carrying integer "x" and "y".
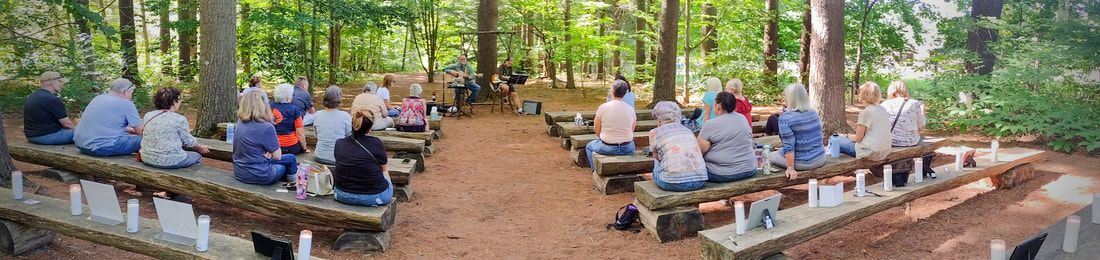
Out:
{"x": 353, "y": 239}
{"x": 402, "y": 193}
{"x": 16, "y": 239}
{"x": 1014, "y": 177}
{"x": 419, "y": 157}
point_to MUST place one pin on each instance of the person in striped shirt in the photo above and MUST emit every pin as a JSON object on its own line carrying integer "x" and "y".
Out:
{"x": 800, "y": 132}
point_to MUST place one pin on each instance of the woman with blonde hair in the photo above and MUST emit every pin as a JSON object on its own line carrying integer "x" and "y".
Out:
{"x": 907, "y": 115}
{"x": 361, "y": 176}
{"x": 383, "y": 92}
{"x": 800, "y": 133}
{"x": 257, "y": 157}
{"x": 743, "y": 106}
{"x": 872, "y": 138}
{"x": 714, "y": 85}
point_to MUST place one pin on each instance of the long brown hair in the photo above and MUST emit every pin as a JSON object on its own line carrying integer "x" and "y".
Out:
{"x": 387, "y": 81}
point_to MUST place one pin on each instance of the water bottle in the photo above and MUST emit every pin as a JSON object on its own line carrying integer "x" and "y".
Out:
{"x": 861, "y": 183}
{"x": 229, "y": 132}
{"x": 301, "y": 180}
{"x": 759, "y": 158}
{"x": 435, "y": 114}
{"x": 834, "y": 149}
{"x": 579, "y": 120}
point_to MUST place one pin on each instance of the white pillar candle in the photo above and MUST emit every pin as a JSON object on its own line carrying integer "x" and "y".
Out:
{"x": 959, "y": 160}
{"x": 861, "y": 183}
{"x": 813, "y": 193}
{"x": 1095, "y": 208}
{"x": 305, "y": 241}
{"x": 76, "y": 206}
{"x": 739, "y": 215}
{"x": 17, "y": 185}
{"x": 997, "y": 249}
{"x": 918, "y": 170}
{"x": 132, "y": 218}
{"x": 203, "y": 242}
{"x": 993, "y": 147}
{"x": 888, "y": 177}
{"x": 1073, "y": 226}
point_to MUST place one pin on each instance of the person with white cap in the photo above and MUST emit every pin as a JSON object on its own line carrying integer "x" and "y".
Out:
{"x": 678, "y": 163}
{"x": 45, "y": 120}
{"x": 111, "y": 123}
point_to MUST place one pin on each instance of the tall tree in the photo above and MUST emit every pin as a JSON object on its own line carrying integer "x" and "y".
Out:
{"x": 129, "y": 47}
{"x": 85, "y": 36}
{"x": 334, "y": 32}
{"x": 487, "y": 15}
{"x": 245, "y": 34}
{"x": 771, "y": 43}
{"x": 827, "y": 65}
{"x": 164, "y": 33}
{"x": 978, "y": 39}
{"x": 867, "y": 6}
{"x": 664, "y": 81}
{"x": 600, "y": 64}
{"x": 144, "y": 32}
{"x": 710, "y": 29}
{"x": 570, "y": 81}
{"x": 804, "y": 43}
{"x": 6, "y": 166}
{"x": 640, "y": 38}
{"x": 186, "y": 28}
{"x": 219, "y": 65}
{"x": 427, "y": 27}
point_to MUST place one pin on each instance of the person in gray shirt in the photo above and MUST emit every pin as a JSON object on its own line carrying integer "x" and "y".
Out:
{"x": 726, "y": 143}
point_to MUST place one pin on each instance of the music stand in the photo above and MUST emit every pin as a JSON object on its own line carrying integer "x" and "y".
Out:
{"x": 517, "y": 79}
{"x": 1028, "y": 249}
{"x": 459, "y": 87}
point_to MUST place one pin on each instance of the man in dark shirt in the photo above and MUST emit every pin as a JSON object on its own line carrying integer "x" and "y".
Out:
{"x": 44, "y": 118}
{"x": 504, "y": 73}
{"x": 303, "y": 100}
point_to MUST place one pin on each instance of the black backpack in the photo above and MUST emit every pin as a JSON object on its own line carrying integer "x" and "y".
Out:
{"x": 625, "y": 218}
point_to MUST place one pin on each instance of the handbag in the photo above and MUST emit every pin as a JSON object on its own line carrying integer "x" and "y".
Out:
{"x": 320, "y": 181}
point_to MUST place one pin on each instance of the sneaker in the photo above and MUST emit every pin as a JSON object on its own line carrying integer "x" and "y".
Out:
{"x": 519, "y": 111}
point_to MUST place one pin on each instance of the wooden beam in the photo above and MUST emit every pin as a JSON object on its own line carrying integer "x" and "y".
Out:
{"x": 567, "y": 129}
{"x": 16, "y": 238}
{"x": 800, "y": 224}
{"x": 655, "y": 198}
{"x": 209, "y": 183}
{"x": 607, "y": 165}
{"x": 552, "y": 118}
{"x": 311, "y": 134}
{"x": 641, "y": 139}
{"x": 1088, "y": 238}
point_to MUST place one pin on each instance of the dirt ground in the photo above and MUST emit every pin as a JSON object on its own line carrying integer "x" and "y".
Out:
{"x": 498, "y": 187}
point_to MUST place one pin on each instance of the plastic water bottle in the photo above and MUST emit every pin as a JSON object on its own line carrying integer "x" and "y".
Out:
{"x": 861, "y": 183}
{"x": 834, "y": 149}
{"x": 435, "y": 114}
{"x": 229, "y": 132}
{"x": 579, "y": 120}
{"x": 301, "y": 180}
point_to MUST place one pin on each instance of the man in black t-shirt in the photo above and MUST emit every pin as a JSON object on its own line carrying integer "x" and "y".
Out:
{"x": 44, "y": 118}
{"x": 504, "y": 73}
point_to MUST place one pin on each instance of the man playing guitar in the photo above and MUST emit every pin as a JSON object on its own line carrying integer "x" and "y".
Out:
{"x": 463, "y": 70}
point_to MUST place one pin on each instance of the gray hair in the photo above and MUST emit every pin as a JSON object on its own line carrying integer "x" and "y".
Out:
{"x": 415, "y": 90}
{"x": 619, "y": 88}
{"x": 714, "y": 84}
{"x": 370, "y": 88}
{"x": 333, "y": 96}
{"x": 121, "y": 85}
{"x": 897, "y": 88}
{"x": 797, "y": 98}
{"x": 667, "y": 112}
{"x": 283, "y": 93}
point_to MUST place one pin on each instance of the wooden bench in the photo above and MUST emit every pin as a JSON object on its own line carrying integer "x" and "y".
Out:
{"x": 400, "y": 147}
{"x": 567, "y": 129}
{"x": 53, "y": 214}
{"x": 576, "y": 147}
{"x": 395, "y": 141}
{"x": 799, "y": 224}
{"x": 670, "y": 215}
{"x": 219, "y": 185}
{"x": 1088, "y": 239}
{"x": 552, "y": 118}
{"x": 400, "y": 175}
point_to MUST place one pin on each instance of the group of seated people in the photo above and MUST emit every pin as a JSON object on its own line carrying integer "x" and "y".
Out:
{"x": 724, "y": 150}
{"x": 267, "y": 134}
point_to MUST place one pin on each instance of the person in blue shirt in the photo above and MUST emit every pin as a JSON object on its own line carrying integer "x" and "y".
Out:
{"x": 257, "y": 157}
{"x": 800, "y": 132}
{"x": 629, "y": 98}
{"x": 111, "y": 125}
{"x": 714, "y": 85}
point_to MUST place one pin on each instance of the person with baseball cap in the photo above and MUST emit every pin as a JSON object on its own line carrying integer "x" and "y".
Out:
{"x": 45, "y": 120}
{"x": 111, "y": 125}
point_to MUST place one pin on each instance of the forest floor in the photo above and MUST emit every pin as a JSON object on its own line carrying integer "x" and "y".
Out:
{"x": 498, "y": 187}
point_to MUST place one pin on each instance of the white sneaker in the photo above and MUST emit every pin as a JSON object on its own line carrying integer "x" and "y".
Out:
{"x": 520, "y": 111}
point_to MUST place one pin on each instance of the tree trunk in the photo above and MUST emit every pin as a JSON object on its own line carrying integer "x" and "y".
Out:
{"x": 804, "y": 53}
{"x": 187, "y": 28}
{"x": 978, "y": 39}
{"x": 144, "y": 33}
{"x": 312, "y": 62}
{"x": 600, "y": 65}
{"x": 246, "y": 42}
{"x": 487, "y": 16}
{"x": 570, "y": 81}
{"x": 827, "y": 65}
{"x": 6, "y": 166}
{"x": 639, "y": 39}
{"x": 165, "y": 36}
{"x": 129, "y": 44}
{"x": 771, "y": 43}
{"x": 405, "y": 47}
{"x": 85, "y": 38}
{"x": 219, "y": 66}
{"x": 333, "y": 52}
{"x": 710, "y": 31}
{"x": 616, "y": 28}
{"x": 867, "y": 7}
{"x": 687, "y": 52}
{"x": 664, "y": 80}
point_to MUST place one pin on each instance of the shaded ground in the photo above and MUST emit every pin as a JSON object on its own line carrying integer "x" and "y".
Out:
{"x": 498, "y": 187}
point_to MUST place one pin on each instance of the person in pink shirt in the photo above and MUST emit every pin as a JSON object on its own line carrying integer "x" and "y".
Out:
{"x": 614, "y": 125}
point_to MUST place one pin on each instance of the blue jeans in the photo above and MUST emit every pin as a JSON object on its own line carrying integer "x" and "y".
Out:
{"x": 63, "y": 136}
{"x": 370, "y": 200}
{"x": 687, "y": 186}
{"x": 124, "y": 145}
{"x": 394, "y": 112}
{"x": 193, "y": 158}
{"x": 597, "y": 146}
{"x": 286, "y": 166}
{"x": 846, "y": 145}
{"x": 711, "y": 177}
{"x": 777, "y": 159}
{"x": 474, "y": 90}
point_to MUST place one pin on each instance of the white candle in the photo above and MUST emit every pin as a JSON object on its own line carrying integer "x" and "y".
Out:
{"x": 993, "y": 147}
{"x": 959, "y": 160}
{"x": 76, "y": 206}
{"x": 918, "y": 169}
{"x": 203, "y": 242}
{"x": 305, "y": 241}
{"x": 888, "y": 177}
{"x": 739, "y": 215}
{"x": 1095, "y": 208}
{"x": 997, "y": 249}
{"x": 861, "y": 183}
{"x": 1073, "y": 226}
{"x": 17, "y": 185}
{"x": 132, "y": 218}
{"x": 813, "y": 193}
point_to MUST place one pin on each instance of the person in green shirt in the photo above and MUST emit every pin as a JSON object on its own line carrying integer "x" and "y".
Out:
{"x": 464, "y": 70}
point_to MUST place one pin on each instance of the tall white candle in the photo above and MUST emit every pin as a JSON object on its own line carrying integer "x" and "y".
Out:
{"x": 813, "y": 192}
{"x": 132, "y": 218}
{"x": 739, "y": 215}
{"x": 959, "y": 160}
{"x": 997, "y": 249}
{"x": 861, "y": 183}
{"x": 888, "y": 177}
{"x": 1073, "y": 227}
{"x": 918, "y": 170}
{"x": 17, "y": 185}
{"x": 203, "y": 242}
{"x": 1095, "y": 208}
{"x": 993, "y": 147}
{"x": 305, "y": 241}
{"x": 76, "y": 206}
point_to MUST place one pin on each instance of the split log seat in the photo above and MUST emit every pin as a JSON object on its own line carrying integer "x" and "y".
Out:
{"x": 400, "y": 175}
{"x": 799, "y": 224}
{"x": 215, "y": 184}
{"x": 400, "y": 147}
{"x": 641, "y": 139}
{"x": 567, "y": 129}
{"x": 53, "y": 214}
{"x": 393, "y": 140}
{"x": 553, "y": 118}
{"x": 617, "y": 174}
{"x": 671, "y": 216}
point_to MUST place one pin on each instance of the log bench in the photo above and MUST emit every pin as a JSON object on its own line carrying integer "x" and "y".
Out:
{"x": 394, "y": 141}
{"x": 567, "y": 129}
{"x": 553, "y": 118}
{"x": 400, "y": 147}
{"x": 53, "y": 214}
{"x": 617, "y": 174}
{"x": 671, "y": 216}
{"x": 1088, "y": 239}
{"x": 799, "y": 224}
{"x": 400, "y": 175}
{"x": 219, "y": 185}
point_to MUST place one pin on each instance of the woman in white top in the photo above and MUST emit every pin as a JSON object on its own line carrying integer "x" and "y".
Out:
{"x": 872, "y": 138}
{"x": 908, "y": 114}
{"x": 332, "y": 124}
